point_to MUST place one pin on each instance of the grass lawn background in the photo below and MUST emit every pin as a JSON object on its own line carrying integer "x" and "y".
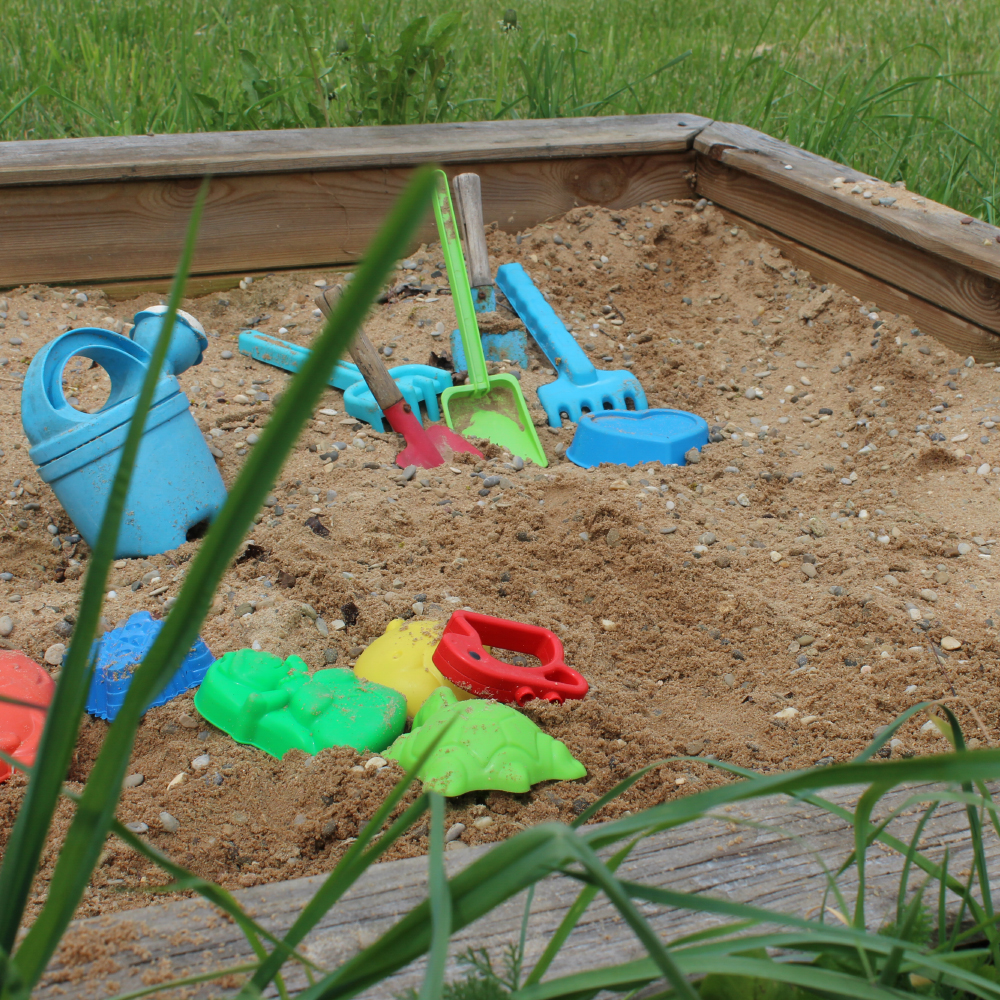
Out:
{"x": 905, "y": 89}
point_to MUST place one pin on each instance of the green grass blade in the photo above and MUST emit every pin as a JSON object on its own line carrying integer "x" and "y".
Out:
{"x": 612, "y": 888}
{"x": 27, "y": 839}
{"x": 572, "y": 918}
{"x": 440, "y": 901}
{"x": 351, "y": 866}
{"x": 93, "y": 818}
{"x": 506, "y": 870}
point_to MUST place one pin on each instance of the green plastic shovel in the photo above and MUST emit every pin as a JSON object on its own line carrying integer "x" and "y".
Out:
{"x": 490, "y": 406}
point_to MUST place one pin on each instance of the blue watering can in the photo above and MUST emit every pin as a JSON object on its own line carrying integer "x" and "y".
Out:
{"x": 175, "y": 485}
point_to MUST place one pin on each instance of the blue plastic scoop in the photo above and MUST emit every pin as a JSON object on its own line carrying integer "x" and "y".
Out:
{"x": 418, "y": 383}
{"x": 632, "y": 437}
{"x": 580, "y": 387}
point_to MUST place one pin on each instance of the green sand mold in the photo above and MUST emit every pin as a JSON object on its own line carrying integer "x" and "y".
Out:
{"x": 489, "y": 747}
{"x": 276, "y": 706}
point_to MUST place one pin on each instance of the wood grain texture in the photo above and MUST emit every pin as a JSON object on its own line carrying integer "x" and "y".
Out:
{"x": 468, "y": 194}
{"x": 858, "y": 242}
{"x": 767, "y": 853}
{"x": 930, "y": 226}
{"x": 364, "y": 355}
{"x": 953, "y": 331}
{"x": 58, "y": 161}
{"x": 134, "y": 230}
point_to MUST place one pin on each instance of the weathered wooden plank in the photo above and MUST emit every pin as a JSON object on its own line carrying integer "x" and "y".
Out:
{"x": 134, "y": 230}
{"x": 57, "y": 161}
{"x": 913, "y": 219}
{"x": 863, "y": 243}
{"x": 953, "y": 331}
{"x": 773, "y": 860}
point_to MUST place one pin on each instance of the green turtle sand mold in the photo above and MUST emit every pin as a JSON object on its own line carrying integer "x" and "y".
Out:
{"x": 276, "y": 706}
{"x": 489, "y": 746}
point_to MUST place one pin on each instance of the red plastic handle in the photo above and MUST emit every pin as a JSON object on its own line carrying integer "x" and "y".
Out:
{"x": 460, "y": 656}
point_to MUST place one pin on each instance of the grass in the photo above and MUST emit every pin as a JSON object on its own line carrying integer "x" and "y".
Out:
{"x": 904, "y": 89}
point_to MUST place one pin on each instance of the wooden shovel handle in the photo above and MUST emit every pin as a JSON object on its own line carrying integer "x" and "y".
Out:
{"x": 371, "y": 366}
{"x": 469, "y": 201}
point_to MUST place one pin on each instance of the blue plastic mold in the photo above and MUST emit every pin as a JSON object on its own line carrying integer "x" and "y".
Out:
{"x": 175, "y": 483}
{"x": 511, "y": 346}
{"x": 120, "y": 652}
{"x": 488, "y": 302}
{"x": 418, "y": 383}
{"x": 631, "y": 437}
{"x": 580, "y": 387}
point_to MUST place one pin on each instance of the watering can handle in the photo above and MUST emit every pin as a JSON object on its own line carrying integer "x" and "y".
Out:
{"x": 469, "y": 201}
{"x": 371, "y": 366}
{"x": 545, "y": 326}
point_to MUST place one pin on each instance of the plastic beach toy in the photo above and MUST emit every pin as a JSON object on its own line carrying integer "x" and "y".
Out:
{"x": 631, "y": 437}
{"x": 175, "y": 483}
{"x": 417, "y": 383}
{"x": 276, "y": 706}
{"x": 579, "y": 387}
{"x": 463, "y": 659}
{"x": 21, "y": 728}
{"x": 119, "y": 653}
{"x": 488, "y": 747}
{"x": 402, "y": 659}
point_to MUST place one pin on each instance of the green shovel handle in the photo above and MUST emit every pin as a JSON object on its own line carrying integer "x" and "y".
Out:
{"x": 461, "y": 293}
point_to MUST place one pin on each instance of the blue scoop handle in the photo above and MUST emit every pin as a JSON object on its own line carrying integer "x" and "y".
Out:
{"x": 290, "y": 357}
{"x": 557, "y": 343}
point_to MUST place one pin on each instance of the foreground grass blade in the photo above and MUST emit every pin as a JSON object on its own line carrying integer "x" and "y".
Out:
{"x": 440, "y": 900}
{"x": 352, "y": 865}
{"x": 94, "y": 815}
{"x": 27, "y": 839}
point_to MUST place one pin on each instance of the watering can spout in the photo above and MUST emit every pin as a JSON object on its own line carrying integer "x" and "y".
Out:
{"x": 187, "y": 339}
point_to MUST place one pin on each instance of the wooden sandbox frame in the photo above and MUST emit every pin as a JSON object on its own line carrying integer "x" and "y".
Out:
{"x": 112, "y": 212}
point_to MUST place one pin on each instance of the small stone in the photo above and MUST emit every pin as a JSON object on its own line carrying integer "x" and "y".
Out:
{"x": 964, "y": 548}
{"x": 692, "y": 456}
{"x": 375, "y": 763}
{"x": 6, "y": 625}
{"x": 454, "y": 832}
{"x": 809, "y": 570}
{"x": 54, "y": 654}
{"x": 775, "y": 557}
{"x": 482, "y": 822}
{"x": 729, "y": 680}
{"x": 743, "y": 500}
{"x": 608, "y": 625}
{"x": 322, "y": 628}
{"x": 243, "y": 609}
{"x": 176, "y": 781}
{"x": 187, "y": 720}
{"x": 929, "y": 595}
{"x": 706, "y": 539}
{"x": 137, "y": 827}
{"x": 201, "y": 762}
{"x": 949, "y": 642}
{"x": 133, "y": 780}
{"x": 723, "y": 562}
{"x": 169, "y": 823}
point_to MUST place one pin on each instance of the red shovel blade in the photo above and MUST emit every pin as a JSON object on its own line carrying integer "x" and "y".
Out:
{"x": 425, "y": 448}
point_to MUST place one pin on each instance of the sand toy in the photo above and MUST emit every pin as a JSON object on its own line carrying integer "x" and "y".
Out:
{"x": 580, "y": 387}
{"x": 489, "y": 746}
{"x": 402, "y": 659}
{"x": 462, "y": 656}
{"x": 276, "y": 706}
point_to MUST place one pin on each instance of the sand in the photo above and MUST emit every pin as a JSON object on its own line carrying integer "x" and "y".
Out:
{"x": 754, "y": 607}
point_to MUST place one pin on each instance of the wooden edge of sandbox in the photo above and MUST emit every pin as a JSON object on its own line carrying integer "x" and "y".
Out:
{"x": 767, "y": 853}
{"x": 112, "y": 211}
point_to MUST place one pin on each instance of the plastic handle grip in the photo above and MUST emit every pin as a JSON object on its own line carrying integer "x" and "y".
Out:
{"x": 290, "y": 357}
{"x": 461, "y": 293}
{"x": 558, "y": 345}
